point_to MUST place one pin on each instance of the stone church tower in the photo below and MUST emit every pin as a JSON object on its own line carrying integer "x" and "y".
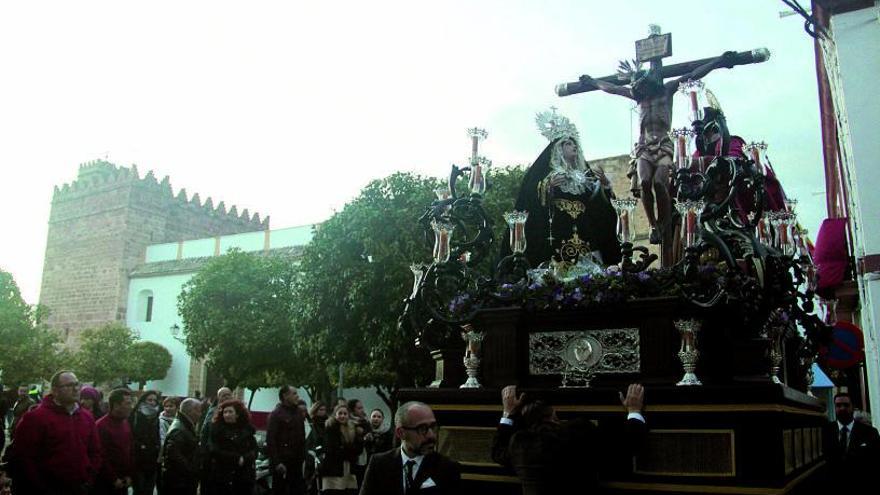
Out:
{"x": 99, "y": 228}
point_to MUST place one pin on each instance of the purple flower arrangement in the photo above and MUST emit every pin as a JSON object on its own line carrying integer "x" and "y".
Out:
{"x": 611, "y": 286}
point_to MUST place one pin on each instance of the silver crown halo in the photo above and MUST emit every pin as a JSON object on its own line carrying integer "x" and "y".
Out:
{"x": 554, "y": 126}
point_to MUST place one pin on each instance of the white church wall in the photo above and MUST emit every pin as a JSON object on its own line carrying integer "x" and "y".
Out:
{"x": 857, "y": 35}
{"x": 164, "y": 315}
{"x": 249, "y": 241}
{"x": 293, "y": 236}
{"x": 199, "y": 248}
{"x": 161, "y": 252}
{"x": 165, "y": 289}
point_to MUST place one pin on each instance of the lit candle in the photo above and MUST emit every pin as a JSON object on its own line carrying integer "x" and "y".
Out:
{"x": 623, "y": 207}
{"x": 690, "y": 212}
{"x": 695, "y": 106}
{"x": 682, "y": 151}
{"x": 691, "y": 226}
{"x": 477, "y": 183}
{"x": 762, "y": 232}
{"x": 442, "y": 233}
{"x": 516, "y": 222}
{"x": 624, "y": 226}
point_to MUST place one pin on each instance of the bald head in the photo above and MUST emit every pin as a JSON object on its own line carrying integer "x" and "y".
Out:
{"x": 416, "y": 428}
{"x": 401, "y": 417}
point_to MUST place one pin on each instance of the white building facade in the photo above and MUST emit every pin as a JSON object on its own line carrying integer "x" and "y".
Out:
{"x": 152, "y": 306}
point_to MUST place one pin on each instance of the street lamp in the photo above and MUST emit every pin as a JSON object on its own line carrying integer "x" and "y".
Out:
{"x": 175, "y": 333}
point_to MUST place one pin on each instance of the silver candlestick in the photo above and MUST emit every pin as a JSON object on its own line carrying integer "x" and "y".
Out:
{"x": 808, "y": 364}
{"x": 775, "y": 363}
{"x": 474, "y": 340}
{"x": 778, "y": 328}
{"x": 688, "y": 353}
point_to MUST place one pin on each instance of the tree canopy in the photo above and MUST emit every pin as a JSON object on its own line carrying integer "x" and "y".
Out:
{"x": 355, "y": 275}
{"x": 264, "y": 319}
{"x": 147, "y": 361}
{"x": 236, "y": 314}
{"x": 104, "y": 354}
{"x": 29, "y": 351}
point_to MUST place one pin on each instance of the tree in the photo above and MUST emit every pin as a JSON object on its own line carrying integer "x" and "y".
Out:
{"x": 355, "y": 276}
{"x": 104, "y": 354}
{"x": 349, "y": 293}
{"x": 29, "y": 351}
{"x": 148, "y": 361}
{"x": 14, "y": 312}
{"x": 236, "y": 313}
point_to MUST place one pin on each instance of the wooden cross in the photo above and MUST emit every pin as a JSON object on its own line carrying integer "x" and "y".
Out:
{"x": 654, "y": 49}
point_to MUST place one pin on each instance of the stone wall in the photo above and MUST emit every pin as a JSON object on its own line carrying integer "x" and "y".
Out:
{"x": 616, "y": 167}
{"x": 99, "y": 228}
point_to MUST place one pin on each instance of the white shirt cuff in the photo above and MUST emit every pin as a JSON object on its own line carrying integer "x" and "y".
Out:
{"x": 635, "y": 415}
{"x": 507, "y": 421}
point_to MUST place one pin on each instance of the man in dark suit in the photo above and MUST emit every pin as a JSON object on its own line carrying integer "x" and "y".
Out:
{"x": 414, "y": 468}
{"x": 851, "y": 448}
{"x": 550, "y": 456}
{"x": 181, "y": 459}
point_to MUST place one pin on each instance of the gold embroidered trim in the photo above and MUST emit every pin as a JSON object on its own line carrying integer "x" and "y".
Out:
{"x": 573, "y": 249}
{"x": 573, "y": 208}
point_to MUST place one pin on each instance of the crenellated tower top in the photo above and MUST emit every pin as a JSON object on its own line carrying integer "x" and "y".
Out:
{"x": 100, "y": 175}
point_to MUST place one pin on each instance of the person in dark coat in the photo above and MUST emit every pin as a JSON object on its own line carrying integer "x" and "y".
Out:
{"x": 208, "y": 410}
{"x": 232, "y": 451}
{"x": 114, "y": 430}
{"x": 381, "y": 437}
{"x": 145, "y": 429}
{"x": 343, "y": 443}
{"x": 4, "y": 410}
{"x": 358, "y": 414}
{"x": 181, "y": 463}
{"x": 314, "y": 446}
{"x": 286, "y": 443}
{"x": 852, "y": 449}
{"x": 21, "y": 406}
{"x": 550, "y": 456}
{"x": 416, "y": 467}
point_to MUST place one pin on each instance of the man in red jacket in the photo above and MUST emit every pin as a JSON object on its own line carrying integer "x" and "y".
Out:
{"x": 57, "y": 444}
{"x": 116, "y": 446}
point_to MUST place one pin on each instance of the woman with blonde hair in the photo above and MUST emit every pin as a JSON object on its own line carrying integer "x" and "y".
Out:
{"x": 343, "y": 441}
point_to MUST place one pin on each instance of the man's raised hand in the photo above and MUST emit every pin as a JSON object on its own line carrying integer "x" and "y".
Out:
{"x": 635, "y": 398}
{"x": 509, "y": 400}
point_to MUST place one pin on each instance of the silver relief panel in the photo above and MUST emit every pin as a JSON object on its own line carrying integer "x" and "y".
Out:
{"x": 614, "y": 350}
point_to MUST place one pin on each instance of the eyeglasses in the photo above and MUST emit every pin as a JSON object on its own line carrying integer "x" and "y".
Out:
{"x": 70, "y": 385}
{"x": 423, "y": 429}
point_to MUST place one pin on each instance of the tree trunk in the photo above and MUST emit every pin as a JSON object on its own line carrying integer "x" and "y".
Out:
{"x": 387, "y": 398}
{"x": 251, "y": 400}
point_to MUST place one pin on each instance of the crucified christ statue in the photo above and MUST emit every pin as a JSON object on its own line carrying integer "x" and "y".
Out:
{"x": 654, "y": 149}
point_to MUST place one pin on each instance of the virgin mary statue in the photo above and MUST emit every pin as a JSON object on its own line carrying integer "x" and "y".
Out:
{"x": 570, "y": 217}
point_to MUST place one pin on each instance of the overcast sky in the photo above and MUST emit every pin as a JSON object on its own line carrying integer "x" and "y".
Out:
{"x": 289, "y": 108}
